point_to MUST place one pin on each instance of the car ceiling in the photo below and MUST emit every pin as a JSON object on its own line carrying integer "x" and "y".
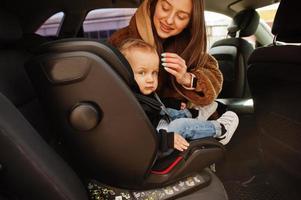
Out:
{"x": 34, "y": 12}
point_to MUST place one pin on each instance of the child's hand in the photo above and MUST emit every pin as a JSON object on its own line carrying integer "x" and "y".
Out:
{"x": 183, "y": 106}
{"x": 180, "y": 143}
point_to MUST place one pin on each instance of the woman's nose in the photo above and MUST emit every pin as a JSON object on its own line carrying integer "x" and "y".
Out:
{"x": 170, "y": 18}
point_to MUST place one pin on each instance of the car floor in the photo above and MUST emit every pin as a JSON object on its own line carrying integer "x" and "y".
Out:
{"x": 245, "y": 176}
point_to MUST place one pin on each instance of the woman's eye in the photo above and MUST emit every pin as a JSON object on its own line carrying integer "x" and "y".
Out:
{"x": 182, "y": 17}
{"x": 141, "y": 73}
{"x": 165, "y": 7}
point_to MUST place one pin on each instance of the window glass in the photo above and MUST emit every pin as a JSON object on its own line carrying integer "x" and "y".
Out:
{"x": 101, "y": 23}
{"x": 52, "y": 25}
{"x": 216, "y": 26}
{"x": 267, "y": 13}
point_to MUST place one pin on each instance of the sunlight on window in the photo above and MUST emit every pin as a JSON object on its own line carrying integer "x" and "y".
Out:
{"x": 268, "y": 13}
{"x": 216, "y": 26}
{"x": 52, "y": 25}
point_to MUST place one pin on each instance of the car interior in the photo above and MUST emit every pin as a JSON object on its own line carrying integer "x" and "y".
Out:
{"x": 71, "y": 128}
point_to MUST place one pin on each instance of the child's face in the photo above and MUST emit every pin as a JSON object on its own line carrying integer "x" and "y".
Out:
{"x": 145, "y": 65}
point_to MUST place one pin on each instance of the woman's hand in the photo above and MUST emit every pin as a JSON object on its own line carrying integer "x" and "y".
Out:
{"x": 180, "y": 143}
{"x": 176, "y": 66}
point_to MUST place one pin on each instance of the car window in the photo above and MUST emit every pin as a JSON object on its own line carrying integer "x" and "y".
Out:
{"x": 267, "y": 13}
{"x": 51, "y": 26}
{"x": 216, "y": 26}
{"x": 263, "y": 34}
{"x": 101, "y": 23}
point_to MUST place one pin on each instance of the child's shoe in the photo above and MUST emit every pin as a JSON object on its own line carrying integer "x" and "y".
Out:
{"x": 230, "y": 121}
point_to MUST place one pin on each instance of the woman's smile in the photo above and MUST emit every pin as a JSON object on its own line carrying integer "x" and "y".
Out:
{"x": 165, "y": 28}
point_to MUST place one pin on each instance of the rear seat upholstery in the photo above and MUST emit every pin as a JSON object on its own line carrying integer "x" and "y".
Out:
{"x": 14, "y": 82}
{"x": 232, "y": 54}
{"x": 29, "y": 168}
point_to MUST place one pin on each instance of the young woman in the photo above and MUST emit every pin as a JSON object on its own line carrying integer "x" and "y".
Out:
{"x": 177, "y": 30}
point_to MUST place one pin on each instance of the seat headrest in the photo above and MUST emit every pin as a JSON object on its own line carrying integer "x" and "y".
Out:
{"x": 246, "y": 22}
{"x": 287, "y": 26}
{"x": 102, "y": 49}
{"x": 10, "y": 29}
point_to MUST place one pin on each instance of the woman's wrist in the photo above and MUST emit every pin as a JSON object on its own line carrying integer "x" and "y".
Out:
{"x": 186, "y": 80}
{"x": 190, "y": 83}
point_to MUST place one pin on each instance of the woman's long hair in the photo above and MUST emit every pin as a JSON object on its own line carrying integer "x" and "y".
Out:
{"x": 191, "y": 43}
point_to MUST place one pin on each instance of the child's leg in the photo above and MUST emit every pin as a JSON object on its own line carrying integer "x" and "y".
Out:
{"x": 194, "y": 129}
{"x": 176, "y": 114}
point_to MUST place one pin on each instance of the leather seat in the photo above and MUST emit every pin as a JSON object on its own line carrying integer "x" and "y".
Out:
{"x": 29, "y": 168}
{"x": 232, "y": 54}
{"x": 86, "y": 86}
{"x": 275, "y": 83}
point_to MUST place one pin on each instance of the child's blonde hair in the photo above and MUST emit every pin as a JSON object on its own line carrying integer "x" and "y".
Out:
{"x": 132, "y": 43}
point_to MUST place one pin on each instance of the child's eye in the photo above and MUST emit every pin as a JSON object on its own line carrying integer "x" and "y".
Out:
{"x": 142, "y": 73}
{"x": 155, "y": 73}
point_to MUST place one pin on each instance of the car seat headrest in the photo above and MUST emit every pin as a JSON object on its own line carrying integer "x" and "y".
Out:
{"x": 246, "y": 22}
{"x": 10, "y": 29}
{"x": 287, "y": 26}
{"x": 102, "y": 49}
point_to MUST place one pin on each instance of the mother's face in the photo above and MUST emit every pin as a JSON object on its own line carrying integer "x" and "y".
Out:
{"x": 171, "y": 17}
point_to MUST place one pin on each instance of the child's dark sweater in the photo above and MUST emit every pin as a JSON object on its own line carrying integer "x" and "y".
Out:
{"x": 152, "y": 107}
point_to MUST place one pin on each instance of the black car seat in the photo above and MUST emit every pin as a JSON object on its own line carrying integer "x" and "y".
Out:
{"x": 86, "y": 86}
{"x": 29, "y": 168}
{"x": 232, "y": 54}
{"x": 275, "y": 84}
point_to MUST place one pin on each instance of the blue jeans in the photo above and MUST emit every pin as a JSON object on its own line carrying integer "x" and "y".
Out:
{"x": 176, "y": 114}
{"x": 192, "y": 129}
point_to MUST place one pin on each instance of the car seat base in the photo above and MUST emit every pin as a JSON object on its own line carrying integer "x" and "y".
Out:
{"x": 184, "y": 186}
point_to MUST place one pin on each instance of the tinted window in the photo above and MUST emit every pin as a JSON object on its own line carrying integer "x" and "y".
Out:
{"x": 267, "y": 13}
{"x": 101, "y": 23}
{"x": 216, "y": 26}
{"x": 51, "y": 26}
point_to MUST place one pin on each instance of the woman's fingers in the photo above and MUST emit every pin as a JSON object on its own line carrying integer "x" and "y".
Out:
{"x": 173, "y": 66}
{"x": 180, "y": 77}
{"x": 170, "y": 55}
{"x": 176, "y": 66}
{"x": 171, "y": 71}
{"x": 174, "y": 60}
